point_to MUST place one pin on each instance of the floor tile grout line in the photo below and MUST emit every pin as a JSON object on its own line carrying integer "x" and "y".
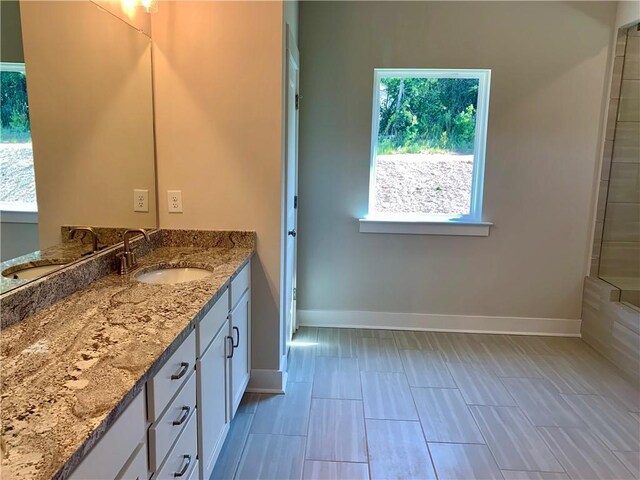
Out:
{"x": 364, "y": 421}
{"x": 588, "y": 427}
{"x": 244, "y": 447}
{"x": 468, "y": 406}
{"x": 306, "y": 438}
{"x": 596, "y": 438}
{"x": 424, "y": 435}
{"x": 530, "y": 424}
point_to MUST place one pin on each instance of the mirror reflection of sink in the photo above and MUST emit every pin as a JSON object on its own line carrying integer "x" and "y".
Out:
{"x": 173, "y": 275}
{"x": 30, "y": 272}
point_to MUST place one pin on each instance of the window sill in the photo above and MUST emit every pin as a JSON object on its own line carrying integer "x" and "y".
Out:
{"x": 407, "y": 227}
{"x": 18, "y": 212}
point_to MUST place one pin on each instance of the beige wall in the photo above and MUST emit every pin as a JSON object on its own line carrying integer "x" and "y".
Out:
{"x": 218, "y": 76}
{"x": 91, "y": 116}
{"x": 549, "y": 63}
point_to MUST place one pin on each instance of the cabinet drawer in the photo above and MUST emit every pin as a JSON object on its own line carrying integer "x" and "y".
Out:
{"x": 182, "y": 456}
{"x": 239, "y": 285}
{"x": 174, "y": 373}
{"x": 111, "y": 453}
{"x": 211, "y": 322}
{"x": 164, "y": 432}
{"x": 136, "y": 467}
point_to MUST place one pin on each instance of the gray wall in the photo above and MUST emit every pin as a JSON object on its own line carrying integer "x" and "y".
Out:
{"x": 10, "y": 33}
{"x": 17, "y": 239}
{"x": 549, "y": 67}
{"x": 620, "y": 179}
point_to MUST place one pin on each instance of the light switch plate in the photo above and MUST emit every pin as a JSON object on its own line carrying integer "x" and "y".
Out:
{"x": 174, "y": 199}
{"x": 140, "y": 200}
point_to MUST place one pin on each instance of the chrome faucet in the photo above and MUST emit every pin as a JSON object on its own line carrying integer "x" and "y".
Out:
{"x": 92, "y": 232}
{"x": 127, "y": 257}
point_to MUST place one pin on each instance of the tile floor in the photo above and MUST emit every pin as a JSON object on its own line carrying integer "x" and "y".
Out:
{"x": 416, "y": 405}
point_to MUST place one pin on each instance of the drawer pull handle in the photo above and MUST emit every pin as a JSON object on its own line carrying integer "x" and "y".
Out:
{"x": 184, "y": 416}
{"x": 184, "y": 367}
{"x": 185, "y": 467}
{"x": 237, "y": 330}
{"x": 231, "y": 354}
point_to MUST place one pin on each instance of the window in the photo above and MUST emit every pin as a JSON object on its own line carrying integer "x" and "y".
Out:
{"x": 17, "y": 182}
{"x": 427, "y": 151}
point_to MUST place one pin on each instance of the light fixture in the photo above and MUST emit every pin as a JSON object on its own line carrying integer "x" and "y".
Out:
{"x": 129, "y": 6}
{"x": 151, "y": 6}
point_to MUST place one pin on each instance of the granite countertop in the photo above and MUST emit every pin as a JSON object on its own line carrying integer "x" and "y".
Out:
{"x": 70, "y": 369}
{"x": 63, "y": 253}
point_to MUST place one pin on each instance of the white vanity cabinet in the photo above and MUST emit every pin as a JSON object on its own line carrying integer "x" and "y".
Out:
{"x": 122, "y": 451}
{"x": 223, "y": 367}
{"x": 190, "y": 401}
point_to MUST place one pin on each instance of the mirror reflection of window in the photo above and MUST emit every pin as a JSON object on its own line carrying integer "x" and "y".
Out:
{"x": 18, "y": 185}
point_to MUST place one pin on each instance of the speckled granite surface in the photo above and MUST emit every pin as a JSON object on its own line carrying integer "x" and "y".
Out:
{"x": 33, "y": 296}
{"x": 106, "y": 235}
{"x": 66, "y": 252}
{"x": 69, "y": 370}
{"x": 58, "y": 254}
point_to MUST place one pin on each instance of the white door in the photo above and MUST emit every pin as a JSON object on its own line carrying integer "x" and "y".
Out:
{"x": 291, "y": 180}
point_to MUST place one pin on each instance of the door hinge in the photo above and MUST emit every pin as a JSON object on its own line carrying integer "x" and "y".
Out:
{"x": 295, "y": 294}
{"x": 297, "y": 101}
{"x": 295, "y": 201}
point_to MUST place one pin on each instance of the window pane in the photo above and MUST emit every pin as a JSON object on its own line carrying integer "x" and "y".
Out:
{"x": 17, "y": 182}
{"x": 425, "y": 148}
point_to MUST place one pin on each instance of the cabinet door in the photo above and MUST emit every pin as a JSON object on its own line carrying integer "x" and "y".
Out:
{"x": 113, "y": 451}
{"x": 212, "y": 371}
{"x": 241, "y": 361}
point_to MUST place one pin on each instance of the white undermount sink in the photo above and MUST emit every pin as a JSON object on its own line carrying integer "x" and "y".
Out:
{"x": 29, "y": 273}
{"x": 173, "y": 275}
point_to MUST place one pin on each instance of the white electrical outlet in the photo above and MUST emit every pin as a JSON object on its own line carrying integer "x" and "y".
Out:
{"x": 174, "y": 198}
{"x": 140, "y": 200}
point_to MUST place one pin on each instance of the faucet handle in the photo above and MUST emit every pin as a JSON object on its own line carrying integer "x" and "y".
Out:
{"x": 132, "y": 258}
{"x": 123, "y": 263}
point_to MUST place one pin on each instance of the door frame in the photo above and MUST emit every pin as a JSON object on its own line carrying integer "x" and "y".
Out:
{"x": 291, "y": 54}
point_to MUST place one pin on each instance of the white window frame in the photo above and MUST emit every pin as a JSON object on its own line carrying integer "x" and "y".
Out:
{"x": 433, "y": 224}
{"x": 12, "y": 67}
{"x": 17, "y": 212}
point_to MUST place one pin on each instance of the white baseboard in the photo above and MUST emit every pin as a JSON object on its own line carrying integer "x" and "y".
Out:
{"x": 267, "y": 381}
{"x": 563, "y": 327}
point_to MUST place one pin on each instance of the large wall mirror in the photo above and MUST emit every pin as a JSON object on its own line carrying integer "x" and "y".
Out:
{"x": 77, "y": 145}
